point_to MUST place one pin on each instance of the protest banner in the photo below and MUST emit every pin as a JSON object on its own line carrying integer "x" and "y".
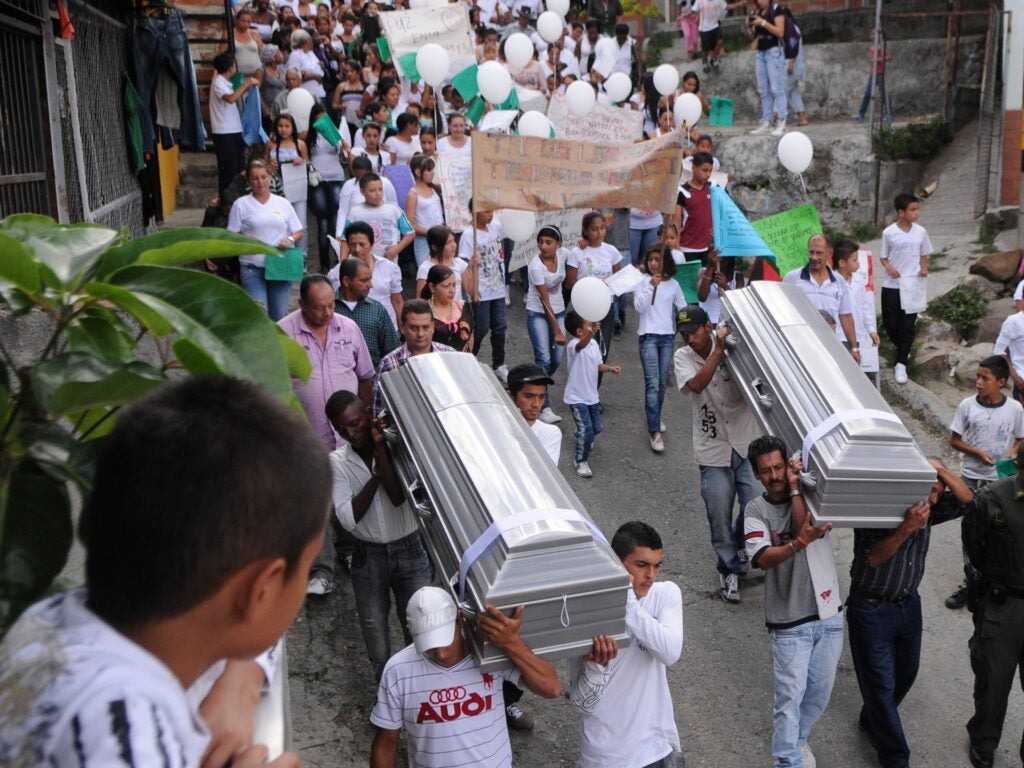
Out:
{"x": 605, "y": 124}
{"x": 534, "y": 174}
{"x": 787, "y": 234}
{"x": 454, "y": 174}
{"x": 734, "y": 234}
{"x": 446, "y": 25}
{"x": 569, "y": 222}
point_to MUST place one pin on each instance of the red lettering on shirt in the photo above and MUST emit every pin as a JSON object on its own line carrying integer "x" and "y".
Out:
{"x": 472, "y": 705}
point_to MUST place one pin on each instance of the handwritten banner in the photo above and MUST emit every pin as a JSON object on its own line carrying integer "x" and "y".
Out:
{"x": 787, "y": 234}
{"x": 569, "y": 222}
{"x": 532, "y": 174}
{"x": 604, "y": 124}
{"x": 734, "y": 235}
{"x": 454, "y": 173}
{"x": 447, "y": 25}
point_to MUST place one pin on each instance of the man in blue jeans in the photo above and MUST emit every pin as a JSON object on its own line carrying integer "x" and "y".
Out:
{"x": 802, "y": 608}
{"x": 723, "y": 426}
{"x": 389, "y": 556}
{"x": 884, "y": 611}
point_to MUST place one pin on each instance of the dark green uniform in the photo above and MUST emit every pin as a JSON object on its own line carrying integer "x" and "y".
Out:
{"x": 993, "y": 532}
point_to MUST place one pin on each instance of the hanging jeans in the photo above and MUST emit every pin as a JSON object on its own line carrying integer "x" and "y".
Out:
{"x": 160, "y": 43}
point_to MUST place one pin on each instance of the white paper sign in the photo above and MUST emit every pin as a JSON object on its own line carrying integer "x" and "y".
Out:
{"x": 447, "y": 25}
{"x": 913, "y": 294}
{"x": 294, "y": 182}
{"x": 625, "y": 280}
{"x": 499, "y": 120}
{"x": 604, "y": 124}
{"x": 454, "y": 174}
{"x": 868, "y": 355}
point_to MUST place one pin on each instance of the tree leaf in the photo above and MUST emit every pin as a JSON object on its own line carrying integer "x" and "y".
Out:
{"x": 295, "y": 354}
{"x": 76, "y": 381}
{"x": 17, "y": 267}
{"x": 179, "y": 246}
{"x": 36, "y": 513}
{"x": 68, "y": 250}
{"x": 215, "y": 316}
{"x": 107, "y": 339}
{"x": 124, "y": 299}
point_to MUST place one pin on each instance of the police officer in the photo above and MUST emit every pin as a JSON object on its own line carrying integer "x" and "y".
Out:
{"x": 993, "y": 534}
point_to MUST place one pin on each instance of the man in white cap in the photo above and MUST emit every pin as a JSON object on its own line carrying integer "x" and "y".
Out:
{"x": 436, "y": 690}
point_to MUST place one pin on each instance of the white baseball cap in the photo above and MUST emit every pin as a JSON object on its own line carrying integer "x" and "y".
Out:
{"x": 431, "y": 615}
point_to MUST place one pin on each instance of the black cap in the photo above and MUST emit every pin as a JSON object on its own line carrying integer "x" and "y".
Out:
{"x": 528, "y": 373}
{"x": 690, "y": 318}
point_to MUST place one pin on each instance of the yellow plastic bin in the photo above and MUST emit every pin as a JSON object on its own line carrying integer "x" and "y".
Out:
{"x": 721, "y": 112}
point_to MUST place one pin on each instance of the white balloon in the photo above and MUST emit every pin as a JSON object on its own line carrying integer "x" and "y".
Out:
{"x": 591, "y": 299}
{"x": 300, "y": 101}
{"x": 494, "y": 81}
{"x": 580, "y": 98}
{"x": 618, "y": 86}
{"x": 666, "y": 79}
{"x": 795, "y": 151}
{"x": 518, "y": 225}
{"x": 550, "y": 26}
{"x": 432, "y": 61}
{"x": 688, "y": 109}
{"x": 535, "y": 123}
{"x": 561, "y": 7}
{"x": 518, "y": 50}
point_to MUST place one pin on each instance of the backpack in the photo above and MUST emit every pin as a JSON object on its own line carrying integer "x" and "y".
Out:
{"x": 791, "y": 36}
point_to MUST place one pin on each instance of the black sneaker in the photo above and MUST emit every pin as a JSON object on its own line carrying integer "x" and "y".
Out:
{"x": 707, "y": 67}
{"x": 979, "y": 758}
{"x": 958, "y": 599}
{"x": 714, "y": 66}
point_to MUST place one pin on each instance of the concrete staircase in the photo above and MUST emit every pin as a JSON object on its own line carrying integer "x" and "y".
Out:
{"x": 198, "y": 172}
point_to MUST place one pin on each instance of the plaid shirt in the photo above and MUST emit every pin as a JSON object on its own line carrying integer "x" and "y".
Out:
{"x": 375, "y": 323}
{"x": 392, "y": 362}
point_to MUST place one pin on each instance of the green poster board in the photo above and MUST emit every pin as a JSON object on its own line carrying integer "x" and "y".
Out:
{"x": 787, "y": 234}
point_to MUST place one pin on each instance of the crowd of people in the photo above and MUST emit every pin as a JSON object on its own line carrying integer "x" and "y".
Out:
{"x": 219, "y": 566}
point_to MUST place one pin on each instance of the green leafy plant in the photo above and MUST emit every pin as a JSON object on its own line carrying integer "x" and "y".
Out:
{"x": 916, "y": 141}
{"x": 638, "y": 8}
{"x": 98, "y": 296}
{"x": 961, "y": 307}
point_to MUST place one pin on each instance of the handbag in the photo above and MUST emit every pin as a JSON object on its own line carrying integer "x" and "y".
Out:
{"x": 288, "y": 266}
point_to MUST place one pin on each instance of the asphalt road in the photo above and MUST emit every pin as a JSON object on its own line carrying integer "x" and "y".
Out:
{"x": 722, "y": 686}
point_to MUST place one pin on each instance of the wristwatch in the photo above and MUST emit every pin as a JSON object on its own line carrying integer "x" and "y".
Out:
{"x": 795, "y": 492}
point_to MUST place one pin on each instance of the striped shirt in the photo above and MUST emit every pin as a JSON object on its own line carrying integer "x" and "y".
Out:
{"x": 75, "y": 692}
{"x": 373, "y": 320}
{"x": 452, "y": 717}
{"x": 899, "y": 576}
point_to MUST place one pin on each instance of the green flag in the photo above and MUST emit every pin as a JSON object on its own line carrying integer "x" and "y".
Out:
{"x": 465, "y": 83}
{"x": 384, "y": 48}
{"x": 512, "y": 102}
{"x": 407, "y": 65}
{"x": 326, "y": 127}
{"x": 686, "y": 276}
{"x": 476, "y": 110}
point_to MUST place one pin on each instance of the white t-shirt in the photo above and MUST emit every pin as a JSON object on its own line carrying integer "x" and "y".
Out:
{"x": 445, "y": 148}
{"x": 659, "y": 317}
{"x": 458, "y": 268}
{"x": 385, "y": 281}
{"x": 722, "y": 420}
{"x": 75, "y": 692}
{"x": 452, "y": 717}
{"x": 581, "y": 382}
{"x": 594, "y": 261}
{"x": 539, "y": 274}
{"x": 710, "y": 13}
{"x": 550, "y": 438}
{"x": 492, "y": 260}
{"x": 224, "y": 116}
{"x": 269, "y": 222}
{"x": 904, "y": 251}
{"x": 382, "y": 158}
{"x": 990, "y": 428}
{"x": 626, "y": 717}
{"x": 387, "y": 220}
{"x": 644, "y": 218}
{"x": 403, "y": 152}
{"x": 351, "y": 196}
{"x": 863, "y": 302}
{"x": 1011, "y": 339}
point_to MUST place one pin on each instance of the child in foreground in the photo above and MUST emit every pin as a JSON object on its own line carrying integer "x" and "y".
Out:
{"x": 207, "y": 510}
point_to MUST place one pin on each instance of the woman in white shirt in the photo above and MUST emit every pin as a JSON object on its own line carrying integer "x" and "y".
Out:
{"x": 545, "y": 308}
{"x": 596, "y": 259}
{"x": 271, "y": 220}
{"x": 443, "y": 248}
{"x": 656, "y": 300}
{"x": 456, "y": 142}
{"x": 326, "y": 195}
{"x": 423, "y": 205}
{"x": 404, "y": 144}
{"x": 303, "y": 59}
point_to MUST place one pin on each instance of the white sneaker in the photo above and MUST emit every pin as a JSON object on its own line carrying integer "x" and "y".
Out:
{"x": 583, "y": 470}
{"x": 318, "y": 585}
{"x": 502, "y": 373}
{"x": 901, "y": 373}
{"x": 730, "y": 590}
{"x": 548, "y": 416}
{"x": 508, "y": 298}
{"x": 763, "y": 128}
{"x": 807, "y": 757}
{"x": 657, "y": 444}
{"x": 662, "y": 427}
{"x": 780, "y": 128}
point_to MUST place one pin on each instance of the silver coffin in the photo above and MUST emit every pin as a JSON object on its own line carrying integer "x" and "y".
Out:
{"x": 795, "y": 374}
{"x": 467, "y": 460}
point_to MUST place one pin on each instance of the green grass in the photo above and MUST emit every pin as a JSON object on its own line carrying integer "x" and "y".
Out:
{"x": 962, "y": 308}
{"x": 991, "y": 225}
{"x": 915, "y": 141}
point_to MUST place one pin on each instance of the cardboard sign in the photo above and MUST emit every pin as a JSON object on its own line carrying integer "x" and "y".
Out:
{"x": 569, "y": 222}
{"x": 787, "y": 234}
{"x": 447, "y": 25}
{"x": 734, "y": 234}
{"x": 454, "y": 174}
{"x": 604, "y": 124}
{"x": 534, "y": 174}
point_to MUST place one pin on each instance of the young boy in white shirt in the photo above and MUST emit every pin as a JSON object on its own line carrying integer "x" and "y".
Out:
{"x": 392, "y": 232}
{"x": 584, "y": 364}
{"x": 199, "y": 535}
{"x": 905, "y": 251}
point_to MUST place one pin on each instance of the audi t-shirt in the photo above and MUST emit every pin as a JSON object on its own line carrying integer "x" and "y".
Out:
{"x": 452, "y": 717}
